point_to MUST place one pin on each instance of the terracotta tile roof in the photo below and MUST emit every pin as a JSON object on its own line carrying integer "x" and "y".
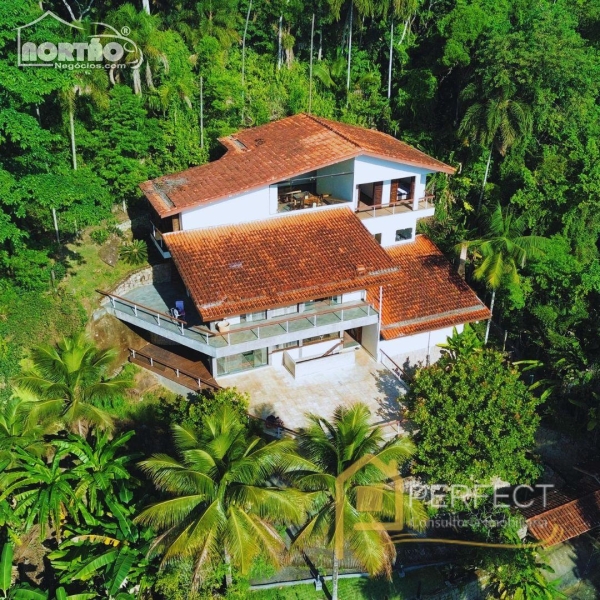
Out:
{"x": 274, "y": 152}
{"x": 236, "y": 269}
{"x": 427, "y": 294}
{"x": 563, "y": 517}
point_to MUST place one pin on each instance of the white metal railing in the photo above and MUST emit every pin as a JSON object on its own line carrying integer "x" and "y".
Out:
{"x": 238, "y": 335}
{"x": 395, "y": 369}
{"x": 403, "y": 206}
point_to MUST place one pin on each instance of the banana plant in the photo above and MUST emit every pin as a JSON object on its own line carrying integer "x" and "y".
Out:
{"x": 112, "y": 563}
{"x": 23, "y": 591}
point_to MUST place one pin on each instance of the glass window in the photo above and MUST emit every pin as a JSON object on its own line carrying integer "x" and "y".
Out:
{"x": 257, "y": 316}
{"x": 404, "y": 234}
{"x": 242, "y": 362}
{"x": 377, "y": 237}
{"x": 285, "y": 310}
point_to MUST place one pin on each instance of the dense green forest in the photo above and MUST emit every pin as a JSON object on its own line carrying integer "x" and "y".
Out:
{"x": 506, "y": 91}
{"x": 512, "y": 86}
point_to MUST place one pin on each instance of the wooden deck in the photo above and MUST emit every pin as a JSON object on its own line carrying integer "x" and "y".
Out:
{"x": 176, "y": 366}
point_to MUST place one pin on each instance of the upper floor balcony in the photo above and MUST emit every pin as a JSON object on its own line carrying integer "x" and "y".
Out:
{"x": 299, "y": 200}
{"x": 148, "y": 307}
{"x": 424, "y": 206}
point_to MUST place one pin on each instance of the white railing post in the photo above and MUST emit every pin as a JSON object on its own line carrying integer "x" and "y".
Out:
{"x": 112, "y": 301}
{"x": 258, "y": 332}
{"x": 342, "y": 314}
{"x": 132, "y": 353}
{"x": 177, "y": 372}
{"x": 135, "y": 310}
{"x": 368, "y": 310}
{"x": 181, "y": 328}
{"x": 151, "y": 362}
{"x": 287, "y": 326}
{"x": 228, "y": 339}
{"x": 158, "y": 318}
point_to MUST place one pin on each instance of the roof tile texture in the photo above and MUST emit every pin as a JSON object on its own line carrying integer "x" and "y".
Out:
{"x": 427, "y": 293}
{"x": 237, "y": 269}
{"x": 565, "y": 518}
{"x": 274, "y": 152}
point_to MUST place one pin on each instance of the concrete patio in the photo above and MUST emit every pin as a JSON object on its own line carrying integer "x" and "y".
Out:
{"x": 273, "y": 391}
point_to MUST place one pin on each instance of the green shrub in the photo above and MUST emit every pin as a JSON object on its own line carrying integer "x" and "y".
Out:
{"x": 191, "y": 412}
{"x": 114, "y": 230}
{"x": 99, "y": 236}
{"x": 134, "y": 253}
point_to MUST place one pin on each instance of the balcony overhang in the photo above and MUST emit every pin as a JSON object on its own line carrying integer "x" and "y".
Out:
{"x": 263, "y": 334}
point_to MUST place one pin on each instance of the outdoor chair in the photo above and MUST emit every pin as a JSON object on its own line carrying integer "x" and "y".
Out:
{"x": 180, "y": 309}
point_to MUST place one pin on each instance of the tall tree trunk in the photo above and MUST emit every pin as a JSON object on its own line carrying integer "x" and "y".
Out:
{"x": 310, "y": 68}
{"x": 462, "y": 261}
{"x": 279, "y": 49}
{"x": 146, "y": 5}
{"x": 349, "y": 54}
{"x": 489, "y": 323}
{"x": 487, "y": 171}
{"x": 72, "y": 131}
{"x": 201, "y": 112}
{"x": 228, "y": 573}
{"x": 320, "y": 54}
{"x": 244, "y": 58}
{"x": 390, "y": 63}
{"x": 335, "y": 572}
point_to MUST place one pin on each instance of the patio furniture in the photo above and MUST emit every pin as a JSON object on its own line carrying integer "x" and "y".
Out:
{"x": 179, "y": 307}
{"x": 223, "y": 326}
{"x": 273, "y": 422}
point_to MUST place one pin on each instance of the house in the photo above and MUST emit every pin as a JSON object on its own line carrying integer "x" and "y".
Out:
{"x": 295, "y": 248}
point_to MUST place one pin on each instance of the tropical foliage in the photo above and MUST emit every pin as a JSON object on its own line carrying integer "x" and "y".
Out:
{"x": 476, "y": 420}
{"x": 505, "y": 92}
{"x": 347, "y": 459}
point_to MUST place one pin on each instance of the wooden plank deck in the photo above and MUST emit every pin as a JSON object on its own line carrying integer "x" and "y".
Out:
{"x": 177, "y": 367}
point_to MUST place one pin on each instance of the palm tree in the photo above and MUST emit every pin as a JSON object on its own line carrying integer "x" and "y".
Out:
{"x": 503, "y": 250}
{"x": 497, "y": 122}
{"x": 222, "y": 504}
{"x": 86, "y": 83}
{"x": 18, "y": 429}
{"x": 68, "y": 379}
{"x": 146, "y": 34}
{"x": 331, "y": 448}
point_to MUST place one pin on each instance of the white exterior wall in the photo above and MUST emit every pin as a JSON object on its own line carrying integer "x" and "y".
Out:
{"x": 368, "y": 169}
{"x": 340, "y": 186}
{"x": 354, "y": 296}
{"x": 311, "y": 350}
{"x": 370, "y": 339}
{"x": 250, "y": 206}
{"x": 273, "y": 199}
{"x": 388, "y": 226}
{"x": 417, "y": 344}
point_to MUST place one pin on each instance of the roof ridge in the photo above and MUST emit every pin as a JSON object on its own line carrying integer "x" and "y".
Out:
{"x": 320, "y": 121}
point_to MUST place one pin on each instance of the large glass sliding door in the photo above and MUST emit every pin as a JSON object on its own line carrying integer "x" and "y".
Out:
{"x": 242, "y": 362}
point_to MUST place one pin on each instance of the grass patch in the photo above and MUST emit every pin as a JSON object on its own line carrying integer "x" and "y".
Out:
{"x": 425, "y": 581}
{"x": 88, "y": 272}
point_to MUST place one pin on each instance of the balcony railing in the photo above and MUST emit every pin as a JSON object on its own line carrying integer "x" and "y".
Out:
{"x": 145, "y": 360}
{"x": 392, "y": 208}
{"x": 157, "y": 238}
{"x": 269, "y": 328}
